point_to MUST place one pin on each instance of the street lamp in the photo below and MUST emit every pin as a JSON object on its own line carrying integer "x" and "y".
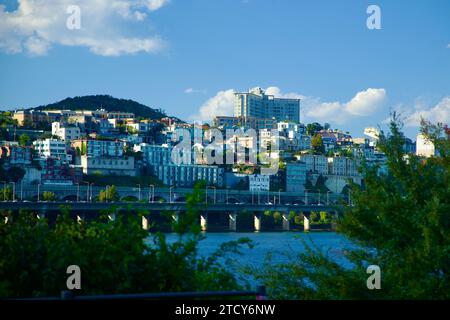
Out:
{"x": 106, "y": 193}
{"x": 13, "y": 191}
{"x": 170, "y": 194}
{"x": 21, "y": 190}
{"x": 87, "y": 191}
{"x": 306, "y": 196}
{"x": 279, "y": 196}
{"x": 227, "y": 193}
{"x": 139, "y": 192}
{"x": 4, "y": 190}
{"x": 152, "y": 193}
{"x": 38, "y": 192}
{"x": 328, "y": 198}
{"x": 210, "y": 187}
{"x": 90, "y": 198}
{"x": 319, "y": 197}
{"x": 78, "y": 191}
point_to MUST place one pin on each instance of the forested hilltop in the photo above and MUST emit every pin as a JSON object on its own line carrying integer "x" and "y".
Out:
{"x": 106, "y": 102}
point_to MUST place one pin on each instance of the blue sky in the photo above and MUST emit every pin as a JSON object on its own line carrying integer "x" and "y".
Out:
{"x": 186, "y": 56}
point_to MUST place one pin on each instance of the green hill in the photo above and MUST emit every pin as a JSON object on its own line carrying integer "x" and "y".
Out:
{"x": 105, "y": 102}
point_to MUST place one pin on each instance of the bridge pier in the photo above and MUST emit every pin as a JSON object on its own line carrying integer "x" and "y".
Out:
{"x": 257, "y": 222}
{"x": 305, "y": 223}
{"x": 232, "y": 221}
{"x": 204, "y": 221}
{"x": 145, "y": 224}
{"x": 286, "y": 222}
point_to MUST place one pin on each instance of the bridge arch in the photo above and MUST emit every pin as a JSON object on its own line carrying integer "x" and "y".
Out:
{"x": 70, "y": 197}
{"x": 179, "y": 199}
{"x": 233, "y": 200}
{"x": 298, "y": 201}
{"x": 130, "y": 198}
{"x": 159, "y": 199}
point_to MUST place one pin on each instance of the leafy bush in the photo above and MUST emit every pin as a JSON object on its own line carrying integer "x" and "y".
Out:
{"x": 115, "y": 256}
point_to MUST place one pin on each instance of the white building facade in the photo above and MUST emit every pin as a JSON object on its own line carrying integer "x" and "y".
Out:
{"x": 65, "y": 133}
{"x": 259, "y": 182}
{"x": 256, "y": 104}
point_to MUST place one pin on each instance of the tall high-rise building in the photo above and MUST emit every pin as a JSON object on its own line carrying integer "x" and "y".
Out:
{"x": 257, "y": 104}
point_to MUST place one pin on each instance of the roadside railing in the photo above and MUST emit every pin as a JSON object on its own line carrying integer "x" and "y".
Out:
{"x": 259, "y": 294}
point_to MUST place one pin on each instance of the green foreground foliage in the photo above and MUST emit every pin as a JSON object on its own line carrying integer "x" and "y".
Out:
{"x": 400, "y": 221}
{"x": 114, "y": 256}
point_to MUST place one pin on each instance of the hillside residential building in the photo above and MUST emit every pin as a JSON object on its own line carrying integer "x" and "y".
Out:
{"x": 33, "y": 117}
{"x": 424, "y": 147}
{"x": 154, "y": 154}
{"x": 16, "y": 155}
{"x": 256, "y": 104}
{"x": 259, "y": 182}
{"x": 107, "y": 165}
{"x": 343, "y": 166}
{"x": 51, "y": 148}
{"x": 296, "y": 177}
{"x": 315, "y": 163}
{"x": 66, "y": 133}
{"x": 187, "y": 175}
{"x": 99, "y": 148}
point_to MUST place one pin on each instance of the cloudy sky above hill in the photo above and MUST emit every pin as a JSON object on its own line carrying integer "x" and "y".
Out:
{"x": 189, "y": 57}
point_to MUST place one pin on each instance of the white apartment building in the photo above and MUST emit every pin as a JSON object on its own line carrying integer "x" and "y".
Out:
{"x": 154, "y": 154}
{"x": 256, "y": 104}
{"x": 51, "y": 148}
{"x": 259, "y": 182}
{"x": 343, "y": 166}
{"x": 139, "y": 126}
{"x": 315, "y": 163}
{"x": 424, "y": 147}
{"x": 293, "y": 137}
{"x": 65, "y": 132}
{"x": 187, "y": 175}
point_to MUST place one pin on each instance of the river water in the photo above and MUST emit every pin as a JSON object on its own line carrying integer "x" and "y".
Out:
{"x": 275, "y": 243}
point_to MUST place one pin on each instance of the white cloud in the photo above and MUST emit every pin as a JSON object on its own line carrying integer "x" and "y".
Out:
{"x": 439, "y": 113}
{"x": 411, "y": 116}
{"x": 192, "y": 90}
{"x": 107, "y": 26}
{"x": 155, "y": 4}
{"x": 221, "y": 104}
{"x": 364, "y": 103}
{"x": 275, "y": 91}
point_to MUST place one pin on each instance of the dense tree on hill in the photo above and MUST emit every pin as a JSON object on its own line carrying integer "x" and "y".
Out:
{"x": 313, "y": 128}
{"x": 317, "y": 144}
{"x": 24, "y": 140}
